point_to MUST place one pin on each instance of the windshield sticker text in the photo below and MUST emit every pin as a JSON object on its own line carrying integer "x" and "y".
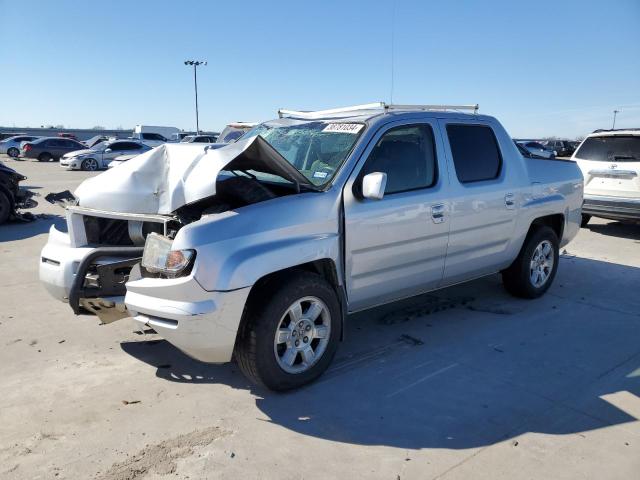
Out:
{"x": 343, "y": 127}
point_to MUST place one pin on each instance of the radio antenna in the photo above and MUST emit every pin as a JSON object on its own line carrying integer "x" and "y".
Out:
{"x": 393, "y": 44}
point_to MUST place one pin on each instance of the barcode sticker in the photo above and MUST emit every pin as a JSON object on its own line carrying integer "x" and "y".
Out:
{"x": 343, "y": 127}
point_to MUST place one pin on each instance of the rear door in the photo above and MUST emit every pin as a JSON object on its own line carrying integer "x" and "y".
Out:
{"x": 610, "y": 165}
{"x": 485, "y": 197}
{"x": 395, "y": 247}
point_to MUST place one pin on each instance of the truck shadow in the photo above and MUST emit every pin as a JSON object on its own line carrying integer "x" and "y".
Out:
{"x": 466, "y": 367}
{"x": 616, "y": 229}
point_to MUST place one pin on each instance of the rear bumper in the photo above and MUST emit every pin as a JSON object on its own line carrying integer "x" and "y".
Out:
{"x": 616, "y": 208}
{"x": 200, "y": 323}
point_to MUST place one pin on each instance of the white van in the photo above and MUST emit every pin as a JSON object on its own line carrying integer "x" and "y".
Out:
{"x": 154, "y": 135}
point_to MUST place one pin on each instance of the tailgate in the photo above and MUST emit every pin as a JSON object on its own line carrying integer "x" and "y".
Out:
{"x": 615, "y": 179}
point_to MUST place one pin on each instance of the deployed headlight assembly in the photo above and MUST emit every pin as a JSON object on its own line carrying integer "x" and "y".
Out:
{"x": 159, "y": 258}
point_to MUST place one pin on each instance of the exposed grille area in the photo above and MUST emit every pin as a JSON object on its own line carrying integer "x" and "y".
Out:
{"x": 117, "y": 232}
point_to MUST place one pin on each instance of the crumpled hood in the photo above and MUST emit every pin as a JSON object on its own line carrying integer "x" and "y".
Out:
{"x": 173, "y": 175}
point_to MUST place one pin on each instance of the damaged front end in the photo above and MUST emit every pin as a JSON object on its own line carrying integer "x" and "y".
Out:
{"x": 13, "y": 197}
{"x": 110, "y": 217}
{"x": 89, "y": 265}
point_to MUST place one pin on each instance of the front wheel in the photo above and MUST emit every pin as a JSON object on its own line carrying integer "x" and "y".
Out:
{"x": 532, "y": 272}
{"x": 290, "y": 333}
{"x": 13, "y": 152}
{"x": 90, "y": 165}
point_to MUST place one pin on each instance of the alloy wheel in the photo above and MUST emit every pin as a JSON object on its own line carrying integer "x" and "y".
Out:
{"x": 302, "y": 335}
{"x": 541, "y": 264}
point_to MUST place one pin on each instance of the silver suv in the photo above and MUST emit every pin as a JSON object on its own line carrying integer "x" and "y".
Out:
{"x": 261, "y": 248}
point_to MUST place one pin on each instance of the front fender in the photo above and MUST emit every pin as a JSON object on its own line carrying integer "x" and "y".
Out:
{"x": 236, "y": 248}
{"x": 245, "y": 266}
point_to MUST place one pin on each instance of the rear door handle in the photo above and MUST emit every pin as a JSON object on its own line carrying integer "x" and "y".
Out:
{"x": 510, "y": 200}
{"x": 437, "y": 213}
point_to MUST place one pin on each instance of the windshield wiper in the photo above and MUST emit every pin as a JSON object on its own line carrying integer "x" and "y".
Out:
{"x": 624, "y": 157}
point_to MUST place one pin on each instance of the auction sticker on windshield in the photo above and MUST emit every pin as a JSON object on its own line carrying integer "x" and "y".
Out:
{"x": 343, "y": 127}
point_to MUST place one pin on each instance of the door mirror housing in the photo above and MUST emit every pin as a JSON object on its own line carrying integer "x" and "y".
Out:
{"x": 108, "y": 150}
{"x": 373, "y": 185}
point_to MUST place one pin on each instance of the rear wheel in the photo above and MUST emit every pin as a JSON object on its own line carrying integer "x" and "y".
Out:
{"x": 585, "y": 220}
{"x": 290, "y": 333}
{"x": 90, "y": 165}
{"x": 13, "y": 152}
{"x": 5, "y": 208}
{"x": 532, "y": 272}
{"x": 44, "y": 157}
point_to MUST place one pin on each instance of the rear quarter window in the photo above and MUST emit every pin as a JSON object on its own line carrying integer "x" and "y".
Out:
{"x": 475, "y": 152}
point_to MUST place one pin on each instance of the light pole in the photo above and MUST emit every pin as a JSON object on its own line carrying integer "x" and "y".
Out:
{"x": 195, "y": 64}
{"x": 615, "y": 112}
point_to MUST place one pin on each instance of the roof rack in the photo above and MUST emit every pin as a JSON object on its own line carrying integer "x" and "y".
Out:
{"x": 385, "y": 107}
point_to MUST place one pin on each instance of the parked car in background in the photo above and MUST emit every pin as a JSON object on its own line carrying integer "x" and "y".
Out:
{"x": 11, "y": 146}
{"x": 49, "y": 148}
{"x": 153, "y": 135}
{"x": 11, "y": 134}
{"x": 12, "y": 196}
{"x": 91, "y": 142}
{"x": 198, "y": 139}
{"x": 233, "y": 131}
{"x": 563, "y": 148}
{"x": 526, "y": 153}
{"x": 610, "y": 164}
{"x": 99, "y": 157}
{"x": 263, "y": 247}
{"x": 537, "y": 149}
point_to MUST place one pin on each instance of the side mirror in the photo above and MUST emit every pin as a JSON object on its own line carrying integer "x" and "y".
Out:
{"x": 373, "y": 185}
{"x": 108, "y": 150}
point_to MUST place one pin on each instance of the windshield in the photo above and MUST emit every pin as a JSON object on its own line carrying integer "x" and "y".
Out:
{"x": 317, "y": 149}
{"x": 614, "y": 148}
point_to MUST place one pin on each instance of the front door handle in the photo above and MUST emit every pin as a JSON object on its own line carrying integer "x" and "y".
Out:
{"x": 437, "y": 213}
{"x": 510, "y": 200}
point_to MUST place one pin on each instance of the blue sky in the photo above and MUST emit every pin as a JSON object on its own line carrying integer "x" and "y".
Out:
{"x": 543, "y": 68}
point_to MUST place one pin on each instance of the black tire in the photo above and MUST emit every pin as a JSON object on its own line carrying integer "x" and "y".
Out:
{"x": 255, "y": 350}
{"x": 13, "y": 152}
{"x": 44, "y": 157}
{"x": 5, "y": 208}
{"x": 90, "y": 165}
{"x": 517, "y": 279}
{"x": 585, "y": 220}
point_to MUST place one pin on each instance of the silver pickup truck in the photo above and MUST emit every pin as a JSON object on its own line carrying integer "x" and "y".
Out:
{"x": 261, "y": 248}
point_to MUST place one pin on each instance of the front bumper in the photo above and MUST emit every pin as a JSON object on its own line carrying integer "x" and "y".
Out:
{"x": 59, "y": 263}
{"x": 615, "y": 208}
{"x": 200, "y": 323}
{"x": 70, "y": 163}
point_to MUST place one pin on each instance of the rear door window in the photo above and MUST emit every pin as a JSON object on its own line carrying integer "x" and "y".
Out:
{"x": 613, "y": 148}
{"x": 475, "y": 152}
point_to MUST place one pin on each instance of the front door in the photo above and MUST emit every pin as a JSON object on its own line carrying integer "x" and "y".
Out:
{"x": 395, "y": 247}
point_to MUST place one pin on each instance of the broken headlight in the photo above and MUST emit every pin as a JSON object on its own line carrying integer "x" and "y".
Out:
{"x": 158, "y": 257}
